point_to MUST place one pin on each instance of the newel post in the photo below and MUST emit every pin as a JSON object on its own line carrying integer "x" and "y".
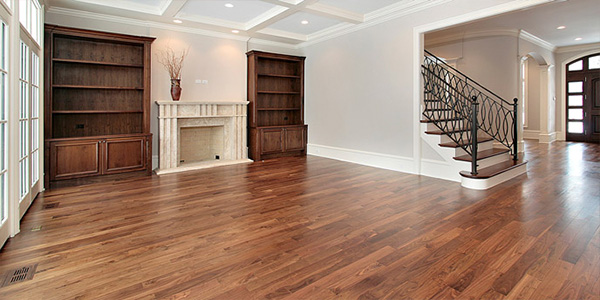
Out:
{"x": 515, "y": 131}
{"x": 474, "y": 126}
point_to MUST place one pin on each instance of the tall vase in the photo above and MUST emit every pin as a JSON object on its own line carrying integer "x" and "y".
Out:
{"x": 175, "y": 89}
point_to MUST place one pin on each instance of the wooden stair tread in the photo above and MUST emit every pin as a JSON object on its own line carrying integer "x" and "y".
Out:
{"x": 440, "y": 132}
{"x": 441, "y": 120}
{"x": 483, "y": 154}
{"x": 494, "y": 170}
{"x": 481, "y": 139}
{"x": 439, "y": 109}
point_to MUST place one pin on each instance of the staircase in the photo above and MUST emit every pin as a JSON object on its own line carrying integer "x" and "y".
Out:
{"x": 471, "y": 128}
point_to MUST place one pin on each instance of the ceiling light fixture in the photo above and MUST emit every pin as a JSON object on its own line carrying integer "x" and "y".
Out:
{"x": 228, "y": 5}
{"x": 304, "y": 22}
{"x": 561, "y": 27}
{"x": 578, "y": 39}
{"x": 235, "y": 31}
{"x": 177, "y": 21}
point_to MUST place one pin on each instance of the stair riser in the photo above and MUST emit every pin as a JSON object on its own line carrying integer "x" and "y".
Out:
{"x": 486, "y": 162}
{"x": 451, "y": 125}
{"x": 481, "y": 147}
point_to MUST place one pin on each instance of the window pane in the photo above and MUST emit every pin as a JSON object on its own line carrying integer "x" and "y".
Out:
{"x": 2, "y": 147}
{"x": 576, "y": 100}
{"x": 34, "y": 168}
{"x": 35, "y": 102}
{"x": 575, "y": 114}
{"x": 575, "y": 127}
{"x": 23, "y": 12}
{"x": 2, "y": 96}
{"x": 576, "y": 66}
{"x": 594, "y": 62}
{"x": 575, "y": 87}
{"x": 3, "y": 202}
{"x": 24, "y": 177}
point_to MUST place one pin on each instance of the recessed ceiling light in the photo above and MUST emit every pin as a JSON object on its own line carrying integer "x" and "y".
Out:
{"x": 561, "y": 27}
{"x": 228, "y": 5}
{"x": 578, "y": 39}
{"x": 235, "y": 31}
{"x": 304, "y": 22}
{"x": 177, "y": 21}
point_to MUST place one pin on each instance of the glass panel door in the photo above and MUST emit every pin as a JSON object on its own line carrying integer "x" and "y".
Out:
{"x": 4, "y": 232}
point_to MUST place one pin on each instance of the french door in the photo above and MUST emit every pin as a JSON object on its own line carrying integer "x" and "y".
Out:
{"x": 583, "y": 99}
{"x": 29, "y": 128}
{"x": 4, "y": 196}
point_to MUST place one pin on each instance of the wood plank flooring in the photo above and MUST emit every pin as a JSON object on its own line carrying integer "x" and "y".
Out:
{"x": 314, "y": 228}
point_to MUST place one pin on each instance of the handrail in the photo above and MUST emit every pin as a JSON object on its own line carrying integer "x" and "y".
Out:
{"x": 461, "y": 107}
{"x": 467, "y": 77}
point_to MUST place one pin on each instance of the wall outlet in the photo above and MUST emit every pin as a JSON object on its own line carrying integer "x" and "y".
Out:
{"x": 201, "y": 81}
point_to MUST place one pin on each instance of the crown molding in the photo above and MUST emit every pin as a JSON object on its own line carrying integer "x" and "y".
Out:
{"x": 283, "y": 34}
{"x": 158, "y": 11}
{"x": 377, "y": 17}
{"x": 524, "y": 35}
{"x": 272, "y": 43}
{"x": 575, "y": 48}
{"x": 463, "y": 36}
{"x": 135, "y": 22}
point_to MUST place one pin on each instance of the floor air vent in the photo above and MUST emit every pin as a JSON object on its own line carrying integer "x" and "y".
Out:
{"x": 19, "y": 275}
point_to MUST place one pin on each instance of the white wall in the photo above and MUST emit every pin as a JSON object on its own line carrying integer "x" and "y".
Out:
{"x": 221, "y": 61}
{"x": 491, "y": 61}
{"x": 359, "y": 90}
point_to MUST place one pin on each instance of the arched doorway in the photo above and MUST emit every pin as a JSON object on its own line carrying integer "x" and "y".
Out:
{"x": 536, "y": 95}
{"x": 583, "y": 99}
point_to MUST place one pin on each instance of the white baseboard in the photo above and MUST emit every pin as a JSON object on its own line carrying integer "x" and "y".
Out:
{"x": 372, "y": 159}
{"x": 439, "y": 169}
{"x": 547, "y": 138}
{"x": 154, "y": 162}
{"x": 531, "y": 134}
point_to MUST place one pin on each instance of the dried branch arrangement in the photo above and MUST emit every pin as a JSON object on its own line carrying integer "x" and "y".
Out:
{"x": 172, "y": 61}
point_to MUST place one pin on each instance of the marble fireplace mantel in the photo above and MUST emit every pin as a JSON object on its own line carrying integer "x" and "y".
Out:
{"x": 174, "y": 115}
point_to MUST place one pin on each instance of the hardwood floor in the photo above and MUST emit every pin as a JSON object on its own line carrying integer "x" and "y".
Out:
{"x": 314, "y": 228}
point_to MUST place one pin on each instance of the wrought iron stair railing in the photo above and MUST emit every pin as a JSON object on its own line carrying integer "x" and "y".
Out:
{"x": 465, "y": 110}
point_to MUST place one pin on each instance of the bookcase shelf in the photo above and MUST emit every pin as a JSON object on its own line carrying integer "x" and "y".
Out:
{"x": 96, "y": 87}
{"x": 91, "y": 62}
{"x": 97, "y": 103}
{"x": 276, "y": 110}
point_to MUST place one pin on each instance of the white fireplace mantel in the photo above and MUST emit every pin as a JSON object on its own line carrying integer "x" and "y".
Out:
{"x": 174, "y": 115}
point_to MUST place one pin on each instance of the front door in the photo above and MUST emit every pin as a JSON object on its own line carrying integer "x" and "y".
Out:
{"x": 583, "y": 99}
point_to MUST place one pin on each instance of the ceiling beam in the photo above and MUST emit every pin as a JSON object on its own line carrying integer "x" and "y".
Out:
{"x": 335, "y": 13}
{"x": 174, "y": 8}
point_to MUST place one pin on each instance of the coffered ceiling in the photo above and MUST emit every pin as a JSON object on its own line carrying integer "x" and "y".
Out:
{"x": 290, "y": 22}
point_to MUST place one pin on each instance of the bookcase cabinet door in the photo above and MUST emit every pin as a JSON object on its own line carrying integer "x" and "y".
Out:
{"x": 295, "y": 138}
{"x": 126, "y": 154}
{"x": 271, "y": 140}
{"x": 72, "y": 159}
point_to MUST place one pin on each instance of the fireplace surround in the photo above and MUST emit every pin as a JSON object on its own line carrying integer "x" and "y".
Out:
{"x": 214, "y": 129}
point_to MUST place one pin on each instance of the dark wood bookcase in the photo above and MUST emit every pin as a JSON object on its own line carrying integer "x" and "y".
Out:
{"x": 276, "y": 109}
{"x": 97, "y": 103}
